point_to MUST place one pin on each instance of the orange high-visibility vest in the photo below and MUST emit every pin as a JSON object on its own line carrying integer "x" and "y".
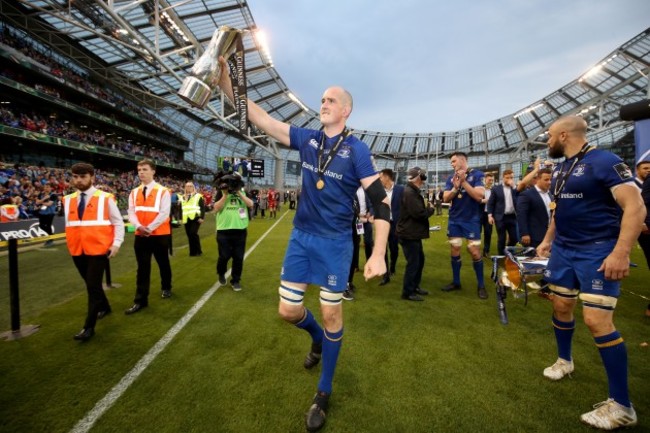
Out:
{"x": 93, "y": 234}
{"x": 147, "y": 210}
{"x": 9, "y": 213}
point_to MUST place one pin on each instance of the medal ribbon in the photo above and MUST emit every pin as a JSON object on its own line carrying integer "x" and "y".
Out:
{"x": 563, "y": 177}
{"x": 322, "y": 167}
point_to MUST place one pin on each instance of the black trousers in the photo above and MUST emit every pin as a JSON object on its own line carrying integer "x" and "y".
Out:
{"x": 231, "y": 245}
{"x": 506, "y": 226}
{"x": 192, "y": 231}
{"x": 91, "y": 269}
{"x": 414, "y": 255}
{"x": 368, "y": 241}
{"x": 45, "y": 223}
{"x": 393, "y": 248}
{"x": 145, "y": 247}
{"x": 356, "y": 242}
{"x": 487, "y": 232}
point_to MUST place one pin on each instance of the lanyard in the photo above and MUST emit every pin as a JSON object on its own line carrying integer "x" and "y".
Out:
{"x": 323, "y": 166}
{"x": 563, "y": 177}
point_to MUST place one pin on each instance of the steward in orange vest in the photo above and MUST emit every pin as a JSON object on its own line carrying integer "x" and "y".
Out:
{"x": 94, "y": 231}
{"x": 149, "y": 209}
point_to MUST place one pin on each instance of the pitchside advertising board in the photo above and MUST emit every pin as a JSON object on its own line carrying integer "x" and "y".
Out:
{"x": 28, "y": 229}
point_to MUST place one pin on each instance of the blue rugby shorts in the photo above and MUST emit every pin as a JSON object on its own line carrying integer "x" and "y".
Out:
{"x": 316, "y": 260}
{"x": 464, "y": 229}
{"x": 577, "y": 269}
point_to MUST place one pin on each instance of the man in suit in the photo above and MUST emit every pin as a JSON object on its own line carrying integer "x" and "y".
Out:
{"x": 487, "y": 227}
{"x": 645, "y": 233}
{"x": 394, "y": 193}
{"x": 501, "y": 211}
{"x": 533, "y": 210}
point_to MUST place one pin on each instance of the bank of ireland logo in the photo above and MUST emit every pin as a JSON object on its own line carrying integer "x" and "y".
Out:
{"x": 331, "y": 280}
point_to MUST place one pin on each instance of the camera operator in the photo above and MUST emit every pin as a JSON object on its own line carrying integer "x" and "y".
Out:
{"x": 231, "y": 207}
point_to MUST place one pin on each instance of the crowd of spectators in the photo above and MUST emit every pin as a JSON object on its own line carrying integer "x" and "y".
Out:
{"x": 20, "y": 43}
{"x": 22, "y": 185}
{"x": 51, "y": 125}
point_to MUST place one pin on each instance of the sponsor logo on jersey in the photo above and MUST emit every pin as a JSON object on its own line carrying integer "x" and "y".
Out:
{"x": 623, "y": 171}
{"x": 571, "y": 195}
{"x": 313, "y": 143}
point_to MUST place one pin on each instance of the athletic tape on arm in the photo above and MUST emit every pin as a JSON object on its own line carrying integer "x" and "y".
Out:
{"x": 377, "y": 194}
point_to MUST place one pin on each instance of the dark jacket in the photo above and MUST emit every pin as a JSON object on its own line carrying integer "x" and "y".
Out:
{"x": 496, "y": 204}
{"x": 414, "y": 215}
{"x": 395, "y": 202}
{"x": 645, "y": 194}
{"x": 532, "y": 217}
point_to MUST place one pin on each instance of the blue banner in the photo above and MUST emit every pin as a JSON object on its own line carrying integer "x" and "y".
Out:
{"x": 642, "y": 140}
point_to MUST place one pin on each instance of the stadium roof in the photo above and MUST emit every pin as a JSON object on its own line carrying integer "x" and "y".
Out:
{"x": 147, "y": 47}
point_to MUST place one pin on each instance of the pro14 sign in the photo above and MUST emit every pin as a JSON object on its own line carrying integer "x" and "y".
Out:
{"x": 257, "y": 168}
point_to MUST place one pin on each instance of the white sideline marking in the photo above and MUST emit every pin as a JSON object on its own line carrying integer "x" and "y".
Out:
{"x": 86, "y": 423}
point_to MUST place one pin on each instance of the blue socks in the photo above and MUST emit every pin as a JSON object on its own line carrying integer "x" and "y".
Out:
{"x": 309, "y": 324}
{"x": 455, "y": 268}
{"x": 331, "y": 348}
{"x": 614, "y": 355}
{"x": 478, "y": 270}
{"x": 564, "y": 336}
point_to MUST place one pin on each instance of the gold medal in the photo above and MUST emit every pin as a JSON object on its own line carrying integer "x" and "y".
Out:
{"x": 320, "y": 184}
{"x": 459, "y": 195}
{"x": 552, "y": 205}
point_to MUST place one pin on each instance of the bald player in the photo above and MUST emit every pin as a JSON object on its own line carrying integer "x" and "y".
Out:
{"x": 334, "y": 163}
{"x": 597, "y": 216}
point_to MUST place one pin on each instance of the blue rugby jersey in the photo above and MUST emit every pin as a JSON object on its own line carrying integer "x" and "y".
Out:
{"x": 465, "y": 208}
{"x": 328, "y": 212}
{"x": 586, "y": 211}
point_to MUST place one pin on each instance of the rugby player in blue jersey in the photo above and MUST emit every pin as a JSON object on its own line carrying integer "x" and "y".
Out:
{"x": 465, "y": 190}
{"x": 589, "y": 240}
{"x": 334, "y": 163}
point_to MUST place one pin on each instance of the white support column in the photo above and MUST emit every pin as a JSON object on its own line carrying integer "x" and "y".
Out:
{"x": 278, "y": 181}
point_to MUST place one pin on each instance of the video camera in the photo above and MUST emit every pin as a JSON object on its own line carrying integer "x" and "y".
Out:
{"x": 232, "y": 181}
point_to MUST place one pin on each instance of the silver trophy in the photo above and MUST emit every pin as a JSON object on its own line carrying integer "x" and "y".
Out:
{"x": 197, "y": 88}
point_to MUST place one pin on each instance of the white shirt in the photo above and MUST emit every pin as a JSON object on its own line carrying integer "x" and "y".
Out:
{"x": 510, "y": 207}
{"x": 361, "y": 197}
{"x": 547, "y": 200}
{"x": 389, "y": 193}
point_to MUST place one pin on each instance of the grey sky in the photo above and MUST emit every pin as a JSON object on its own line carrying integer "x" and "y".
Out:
{"x": 431, "y": 66}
